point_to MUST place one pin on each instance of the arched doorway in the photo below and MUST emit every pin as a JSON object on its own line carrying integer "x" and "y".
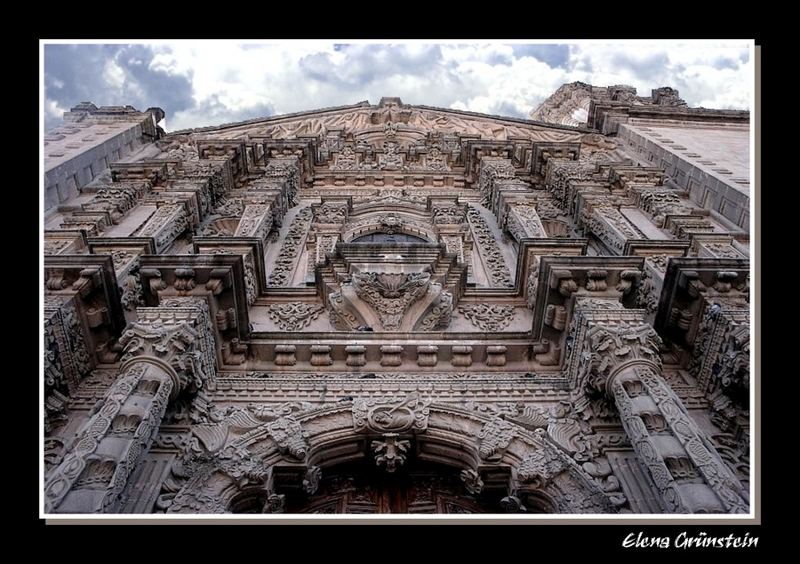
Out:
{"x": 325, "y": 460}
{"x": 422, "y": 488}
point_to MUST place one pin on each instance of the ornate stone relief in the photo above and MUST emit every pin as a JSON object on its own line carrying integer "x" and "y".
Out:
{"x": 448, "y": 214}
{"x": 390, "y": 452}
{"x": 286, "y": 260}
{"x": 496, "y": 267}
{"x": 610, "y": 346}
{"x": 439, "y": 314}
{"x": 561, "y": 173}
{"x": 488, "y": 317}
{"x": 330, "y": 212}
{"x": 178, "y": 331}
{"x": 294, "y": 316}
{"x": 165, "y": 225}
{"x": 472, "y": 481}
{"x": 533, "y": 280}
{"x": 390, "y": 295}
{"x": 540, "y": 467}
{"x": 527, "y": 220}
{"x": 609, "y": 225}
{"x": 495, "y": 436}
{"x": 648, "y": 293}
{"x": 378, "y": 415}
{"x": 66, "y": 356}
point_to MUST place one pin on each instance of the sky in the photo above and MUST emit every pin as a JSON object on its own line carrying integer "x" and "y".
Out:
{"x": 200, "y": 83}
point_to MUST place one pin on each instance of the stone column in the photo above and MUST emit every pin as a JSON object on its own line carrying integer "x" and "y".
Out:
{"x": 619, "y": 358}
{"x": 688, "y": 471}
{"x": 168, "y": 351}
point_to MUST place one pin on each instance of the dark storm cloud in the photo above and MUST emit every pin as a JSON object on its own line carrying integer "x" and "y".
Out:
{"x": 77, "y": 73}
{"x": 553, "y": 55}
{"x": 648, "y": 67}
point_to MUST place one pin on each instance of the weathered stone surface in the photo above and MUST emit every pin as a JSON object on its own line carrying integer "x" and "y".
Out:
{"x": 507, "y": 315}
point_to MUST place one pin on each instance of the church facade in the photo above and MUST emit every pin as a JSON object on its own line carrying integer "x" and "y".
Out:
{"x": 386, "y": 308}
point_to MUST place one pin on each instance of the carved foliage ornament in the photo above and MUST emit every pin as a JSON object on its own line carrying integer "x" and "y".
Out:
{"x": 611, "y": 346}
{"x": 294, "y": 316}
{"x": 488, "y": 317}
{"x": 390, "y": 452}
{"x": 495, "y": 436}
{"x": 381, "y": 416}
{"x": 180, "y": 333}
{"x": 391, "y": 294}
{"x": 496, "y": 267}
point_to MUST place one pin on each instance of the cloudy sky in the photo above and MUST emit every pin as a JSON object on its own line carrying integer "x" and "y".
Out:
{"x": 214, "y": 82}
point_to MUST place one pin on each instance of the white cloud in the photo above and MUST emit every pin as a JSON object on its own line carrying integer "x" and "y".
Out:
{"x": 113, "y": 74}
{"x": 230, "y": 80}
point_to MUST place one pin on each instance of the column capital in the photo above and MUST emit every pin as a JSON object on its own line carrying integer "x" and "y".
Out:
{"x": 610, "y": 339}
{"x": 176, "y": 336}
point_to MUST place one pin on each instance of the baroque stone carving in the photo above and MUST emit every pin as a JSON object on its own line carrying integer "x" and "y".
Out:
{"x": 294, "y": 316}
{"x": 488, "y": 317}
{"x": 407, "y": 415}
{"x": 496, "y": 267}
{"x": 390, "y": 452}
{"x": 472, "y": 481}
{"x": 540, "y": 467}
{"x": 290, "y": 250}
{"x": 389, "y": 294}
{"x": 188, "y": 349}
{"x": 495, "y": 437}
{"x": 612, "y": 346}
{"x": 551, "y": 420}
{"x": 439, "y": 316}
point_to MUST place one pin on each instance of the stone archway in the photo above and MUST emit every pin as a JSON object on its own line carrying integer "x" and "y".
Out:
{"x": 406, "y": 220}
{"x": 285, "y": 457}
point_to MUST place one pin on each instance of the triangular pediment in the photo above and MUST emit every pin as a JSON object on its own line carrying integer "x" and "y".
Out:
{"x": 395, "y": 117}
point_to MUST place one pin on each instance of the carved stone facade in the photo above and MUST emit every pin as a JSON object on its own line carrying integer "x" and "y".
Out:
{"x": 391, "y": 308}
